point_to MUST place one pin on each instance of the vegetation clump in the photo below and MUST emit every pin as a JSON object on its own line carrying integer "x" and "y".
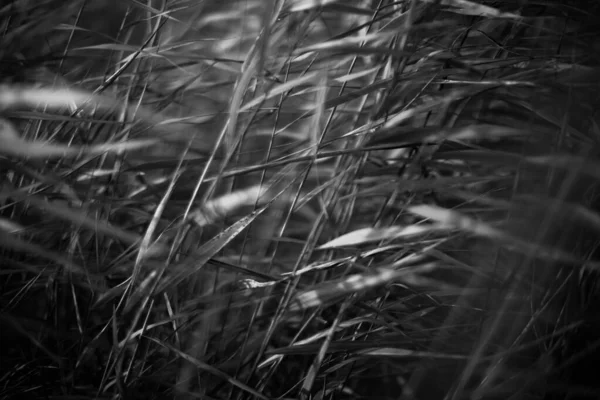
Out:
{"x": 299, "y": 199}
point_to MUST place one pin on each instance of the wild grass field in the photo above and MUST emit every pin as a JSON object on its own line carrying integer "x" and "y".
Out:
{"x": 299, "y": 199}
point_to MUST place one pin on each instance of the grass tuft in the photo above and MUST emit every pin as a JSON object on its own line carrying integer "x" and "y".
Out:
{"x": 299, "y": 199}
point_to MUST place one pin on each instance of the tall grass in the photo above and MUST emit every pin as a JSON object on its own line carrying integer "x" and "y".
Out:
{"x": 299, "y": 199}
